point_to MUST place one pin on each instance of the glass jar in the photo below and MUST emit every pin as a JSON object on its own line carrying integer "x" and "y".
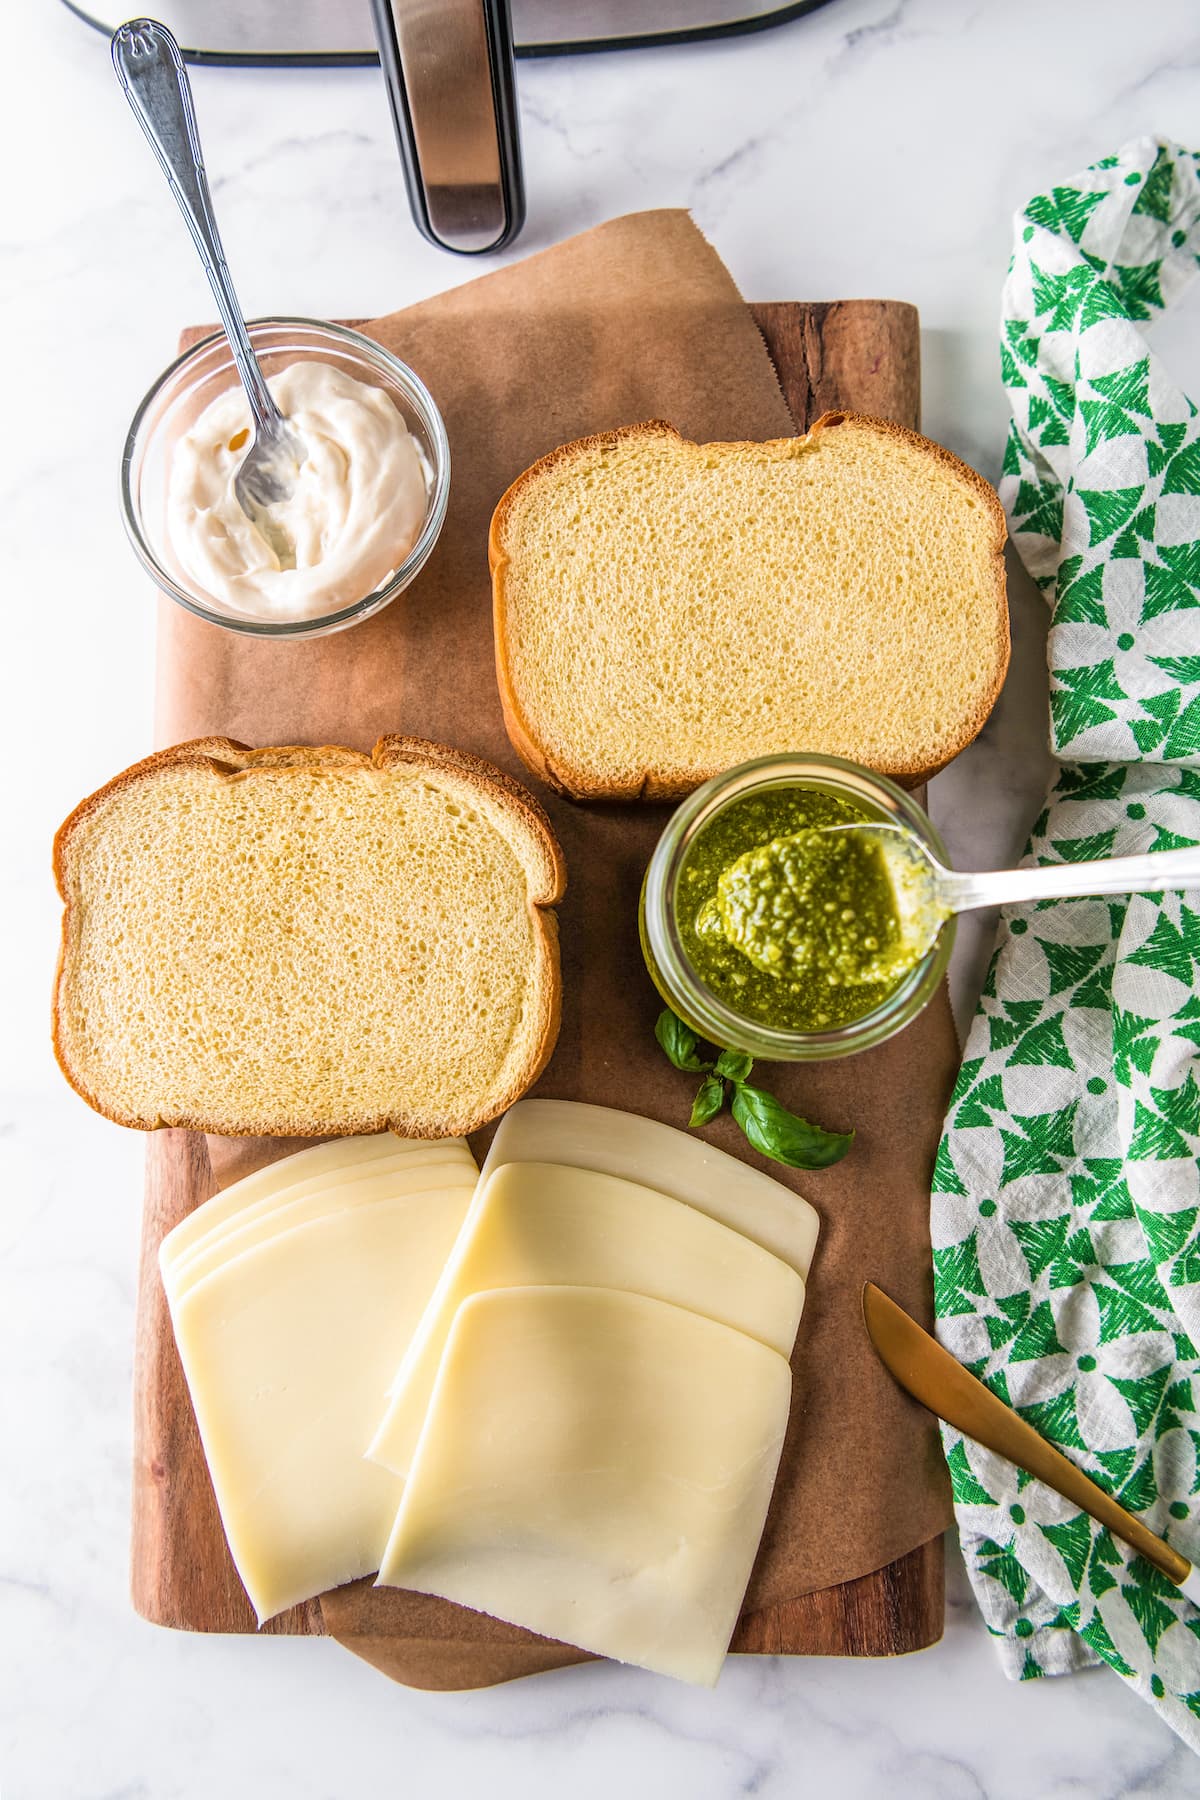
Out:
{"x": 207, "y": 370}
{"x": 684, "y": 989}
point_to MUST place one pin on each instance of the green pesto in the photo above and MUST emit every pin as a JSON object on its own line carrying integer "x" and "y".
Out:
{"x": 795, "y": 930}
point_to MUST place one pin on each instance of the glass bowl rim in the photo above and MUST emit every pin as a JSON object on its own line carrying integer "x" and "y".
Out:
{"x": 423, "y": 404}
{"x": 703, "y": 1009}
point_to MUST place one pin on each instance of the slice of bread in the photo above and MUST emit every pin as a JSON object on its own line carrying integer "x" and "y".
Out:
{"x": 307, "y": 942}
{"x": 664, "y": 610}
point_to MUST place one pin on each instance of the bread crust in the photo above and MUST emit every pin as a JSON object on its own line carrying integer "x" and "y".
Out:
{"x": 545, "y": 865}
{"x": 661, "y": 782}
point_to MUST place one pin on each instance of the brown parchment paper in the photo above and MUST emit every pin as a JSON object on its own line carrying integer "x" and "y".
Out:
{"x": 637, "y": 319}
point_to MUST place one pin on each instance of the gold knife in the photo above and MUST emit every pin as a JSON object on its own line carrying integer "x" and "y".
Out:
{"x": 932, "y": 1376}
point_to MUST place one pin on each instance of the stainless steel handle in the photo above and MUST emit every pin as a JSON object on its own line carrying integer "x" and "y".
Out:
{"x": 448, "y": 65}
{"x": 1157, "y": 872}
{"x": 150, "y": 69}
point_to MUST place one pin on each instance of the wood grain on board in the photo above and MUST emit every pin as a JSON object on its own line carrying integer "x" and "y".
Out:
{"x": 856, "y": 355}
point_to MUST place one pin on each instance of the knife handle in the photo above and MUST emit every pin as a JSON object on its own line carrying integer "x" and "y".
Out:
{"x": 1057, "y": 1471}
{"x": 927, "y": 1371}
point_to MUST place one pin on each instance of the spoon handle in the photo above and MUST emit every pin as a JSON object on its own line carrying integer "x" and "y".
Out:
{"x": 150, "y": 69}
{"x": 1154, "y": 873}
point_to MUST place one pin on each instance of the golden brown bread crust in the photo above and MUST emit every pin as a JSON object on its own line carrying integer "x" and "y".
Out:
{"x": 660, "y": 784}
{"x": 235, "y": 760}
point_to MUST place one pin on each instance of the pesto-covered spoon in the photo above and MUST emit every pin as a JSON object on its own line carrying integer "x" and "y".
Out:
{"x": 863, "y": 903}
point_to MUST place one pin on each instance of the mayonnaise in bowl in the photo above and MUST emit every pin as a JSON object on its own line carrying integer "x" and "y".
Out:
{"x": 359, "y": 503}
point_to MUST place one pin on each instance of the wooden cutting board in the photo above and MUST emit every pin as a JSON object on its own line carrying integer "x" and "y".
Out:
{"x": 860, "y": 355}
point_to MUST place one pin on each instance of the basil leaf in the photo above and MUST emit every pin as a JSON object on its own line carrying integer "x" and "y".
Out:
{"x": 784, "y": 1137}
{"x": 679, "y": 1042}
{"x": 710, "y": 1098}
{"x": 735, "y": 1065}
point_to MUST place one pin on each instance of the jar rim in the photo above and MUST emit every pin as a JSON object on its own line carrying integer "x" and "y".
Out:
{"x": 683, "y": 987}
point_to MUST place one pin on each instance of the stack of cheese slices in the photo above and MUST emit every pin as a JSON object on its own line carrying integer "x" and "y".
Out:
{"x": 556, "y": 1393}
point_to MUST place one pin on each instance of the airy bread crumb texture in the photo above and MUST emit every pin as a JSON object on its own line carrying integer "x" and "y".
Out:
{"x": 304, "y": 942}
{"x": 666, "y": 609}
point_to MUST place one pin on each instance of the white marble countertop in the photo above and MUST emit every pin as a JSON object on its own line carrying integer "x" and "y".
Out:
{"x": 878, "y": 147}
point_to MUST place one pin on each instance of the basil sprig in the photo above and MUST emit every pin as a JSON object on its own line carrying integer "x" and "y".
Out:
{"x": 783, "y": 1135}
{"x": 678, "y": 1042}
{"x": 710, "y": 1098}
{"x": 768, "y": 1125}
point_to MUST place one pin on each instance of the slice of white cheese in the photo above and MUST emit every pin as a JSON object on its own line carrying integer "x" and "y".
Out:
{"x": 539, "y": 1224}
{"x": 342, "y": 1159}
{"x": 296, "y": 1208}
{"x": 675, "y": 1162}
{"x": 287, "y": 1350}
{"x": 596, "y": 1466}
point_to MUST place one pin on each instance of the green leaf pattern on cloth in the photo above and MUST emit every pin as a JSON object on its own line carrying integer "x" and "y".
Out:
{"x": 1102, "y": 465}
{"x": 1066, "y": 1204}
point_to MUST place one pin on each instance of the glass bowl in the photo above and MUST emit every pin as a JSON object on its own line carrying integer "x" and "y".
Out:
{"x": 684, "y": 989}
{"x": 195, "y": 379}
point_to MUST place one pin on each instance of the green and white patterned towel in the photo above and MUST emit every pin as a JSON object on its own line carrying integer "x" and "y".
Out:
{"x": 1066, "y": 1206}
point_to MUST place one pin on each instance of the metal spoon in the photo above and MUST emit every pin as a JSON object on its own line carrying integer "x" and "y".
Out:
{"x": 927, "y": 893}
{"x": 150, "y": 69}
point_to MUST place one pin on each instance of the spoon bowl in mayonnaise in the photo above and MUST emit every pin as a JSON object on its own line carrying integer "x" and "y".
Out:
{"x": 366, "y": 507}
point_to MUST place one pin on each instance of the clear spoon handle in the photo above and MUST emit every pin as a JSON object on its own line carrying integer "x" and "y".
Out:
{"x": 150, "y": 69}
{"x": 1154, "y": 873}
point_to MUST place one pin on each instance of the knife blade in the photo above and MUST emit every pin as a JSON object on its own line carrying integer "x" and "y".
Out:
{"x": 935, "y": 1378}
